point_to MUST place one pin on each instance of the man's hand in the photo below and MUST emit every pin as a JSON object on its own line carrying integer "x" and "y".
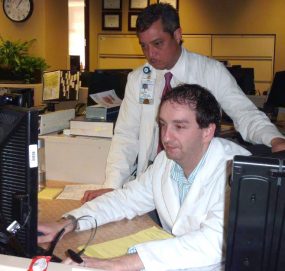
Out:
{"x": 277, "y": 144}
{"x": 131, "y": 262}
{"x": 49, "y": 230}
{"x": 92, "y": 194}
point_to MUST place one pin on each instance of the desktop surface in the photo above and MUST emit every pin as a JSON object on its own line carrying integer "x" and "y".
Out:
{"x": 52, "y": 210}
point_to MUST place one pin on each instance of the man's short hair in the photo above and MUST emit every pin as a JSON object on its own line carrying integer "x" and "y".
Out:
{"x": 162, "y": 11}
{"x": 199, "y": 99}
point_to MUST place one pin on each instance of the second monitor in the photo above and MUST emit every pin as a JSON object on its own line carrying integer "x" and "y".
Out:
{"x": 105, "y": 79}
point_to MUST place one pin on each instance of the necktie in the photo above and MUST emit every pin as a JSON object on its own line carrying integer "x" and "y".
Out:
{"x": 167, "y": 87}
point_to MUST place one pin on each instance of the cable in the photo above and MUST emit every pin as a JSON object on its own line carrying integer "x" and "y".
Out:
{"x": 76, "y": 256}
{"x": 54, "y": 242}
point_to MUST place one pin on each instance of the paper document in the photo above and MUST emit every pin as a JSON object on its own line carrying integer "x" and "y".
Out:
{"x": 119, "y": 247}
{"x": 107, "y": 99}
{"x": 76, "y": 192}
{"x": 49, "y": 193}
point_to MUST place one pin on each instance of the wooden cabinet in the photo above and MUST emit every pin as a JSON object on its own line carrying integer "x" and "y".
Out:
{"x": 254, "y": 51}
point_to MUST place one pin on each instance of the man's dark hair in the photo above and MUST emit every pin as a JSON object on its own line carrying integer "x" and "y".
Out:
{"x": 163, "y": 11}
{"x": 199, "y": 99}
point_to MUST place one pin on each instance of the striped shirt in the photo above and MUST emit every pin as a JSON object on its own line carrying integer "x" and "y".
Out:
{"x": 184, "y": 184}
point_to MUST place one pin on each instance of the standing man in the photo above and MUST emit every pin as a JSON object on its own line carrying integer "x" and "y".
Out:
{"x": 187, "y": 184}
{"x": 136, "y": 134}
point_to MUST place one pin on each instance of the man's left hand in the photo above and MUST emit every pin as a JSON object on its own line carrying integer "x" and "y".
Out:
{"x": 278, "y": 144}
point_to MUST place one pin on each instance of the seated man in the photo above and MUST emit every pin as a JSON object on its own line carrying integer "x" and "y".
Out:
{"x": 187, "y": 184}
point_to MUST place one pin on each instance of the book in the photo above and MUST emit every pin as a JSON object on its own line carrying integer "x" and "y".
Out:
{"x": 87, "y": 127}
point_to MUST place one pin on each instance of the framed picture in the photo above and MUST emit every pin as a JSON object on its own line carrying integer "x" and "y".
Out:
{"x": 111, "y": 4}
{"x": 111, "y": 21}
{"x": 174, "y": 3}
{"x": 132, "y": 19}
{"x": 138, "y": 4}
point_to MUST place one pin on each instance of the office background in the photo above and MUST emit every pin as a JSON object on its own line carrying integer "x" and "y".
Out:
{"x": 49, "y": 25}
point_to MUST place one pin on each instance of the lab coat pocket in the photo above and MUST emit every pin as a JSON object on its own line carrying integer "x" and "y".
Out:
{"x": 188, "y": 223}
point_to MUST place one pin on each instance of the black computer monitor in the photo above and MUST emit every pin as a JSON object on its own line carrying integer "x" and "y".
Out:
{"x": 18, "y": 180}
{"x": 256, "y": 230}
{"x": 276, "y": 96}
{"x": 244, "y": 78}
{"x": 107, "y": 79}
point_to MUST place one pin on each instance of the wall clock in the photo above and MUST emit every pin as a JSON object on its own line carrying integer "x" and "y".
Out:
{"x": 18, "y": 10}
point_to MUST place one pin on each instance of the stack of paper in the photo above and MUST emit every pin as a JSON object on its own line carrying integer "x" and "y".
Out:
{"x": 119, "y": 247}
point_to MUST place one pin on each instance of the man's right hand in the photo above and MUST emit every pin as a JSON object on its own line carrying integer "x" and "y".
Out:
{"x": 49, "y": 230}
{"x": 92, "y": 194}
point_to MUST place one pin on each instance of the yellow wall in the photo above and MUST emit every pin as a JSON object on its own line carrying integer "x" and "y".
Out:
{"x": 48, "y": 25}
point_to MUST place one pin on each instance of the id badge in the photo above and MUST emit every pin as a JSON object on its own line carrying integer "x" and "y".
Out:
{"x": 147, "y": 91}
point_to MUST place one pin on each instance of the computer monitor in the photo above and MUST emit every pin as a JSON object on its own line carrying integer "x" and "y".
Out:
{"x": 18, "y": 96}
{"x": 18, "y": 180}
{"x": 244, "y": 78}
{"x": 276, "y": 96}
{"x": 60, "y": 86}
{"x": 74, "y": 63}
{"x": 256, "y": 230}
{"x": 107, "y": 79}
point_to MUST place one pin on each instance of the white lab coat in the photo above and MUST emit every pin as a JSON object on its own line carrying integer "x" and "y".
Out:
{"x": 198, "y": 225}
{"x": 136, "y": 131}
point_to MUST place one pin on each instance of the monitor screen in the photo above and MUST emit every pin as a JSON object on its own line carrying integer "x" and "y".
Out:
{"x": 18, "y": 180}
{"x": 244, "y": 78}
{"x": 61, "y": 85}
{"x": 256, "y": 230}
{"x": 103, "y": 80}
{"x": 276, "y": 97}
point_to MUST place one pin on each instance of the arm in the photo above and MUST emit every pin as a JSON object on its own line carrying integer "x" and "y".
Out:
{"x": 136, "y": 198}
{"x": 124, "y": 147}
{"x": 49, "y": 230}
{"x": 253, "y": 125}
{"x": 130, "y": 262}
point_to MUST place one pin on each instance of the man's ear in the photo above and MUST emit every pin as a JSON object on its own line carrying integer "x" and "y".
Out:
{"x": 208, "y": 133}
{"x": 178, "y": 35}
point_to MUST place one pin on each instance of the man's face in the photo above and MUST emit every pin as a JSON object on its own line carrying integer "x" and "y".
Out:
{"x": 183, "y": 140}
{"x": 160, "y": 48}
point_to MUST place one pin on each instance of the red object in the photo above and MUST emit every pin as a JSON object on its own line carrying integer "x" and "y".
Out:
{"x": 39, "y": 263}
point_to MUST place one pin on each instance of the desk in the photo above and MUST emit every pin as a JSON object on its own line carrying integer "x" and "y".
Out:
{"x": 76, "y": 159}
{"x": 51, "y": 210}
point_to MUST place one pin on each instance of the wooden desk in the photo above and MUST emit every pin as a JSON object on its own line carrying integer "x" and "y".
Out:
{"x": 51, "y": 210}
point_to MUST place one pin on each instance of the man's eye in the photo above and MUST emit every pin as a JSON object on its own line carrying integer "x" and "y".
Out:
{"x": 158, "y": 44}
{"x": 178, "y": 127}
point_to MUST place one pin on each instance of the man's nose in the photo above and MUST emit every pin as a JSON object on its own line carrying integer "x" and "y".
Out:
{"x": 151, "y": 52}
{"x": 165, "y": 135}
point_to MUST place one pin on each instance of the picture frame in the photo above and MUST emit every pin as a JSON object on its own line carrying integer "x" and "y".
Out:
{"x": 111, "y": 4}
{"x": 132, "y": 18}
{"x": 174, "y": 3}
{"x": 111, "y": 21}
{"x": 138, "y": 4}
